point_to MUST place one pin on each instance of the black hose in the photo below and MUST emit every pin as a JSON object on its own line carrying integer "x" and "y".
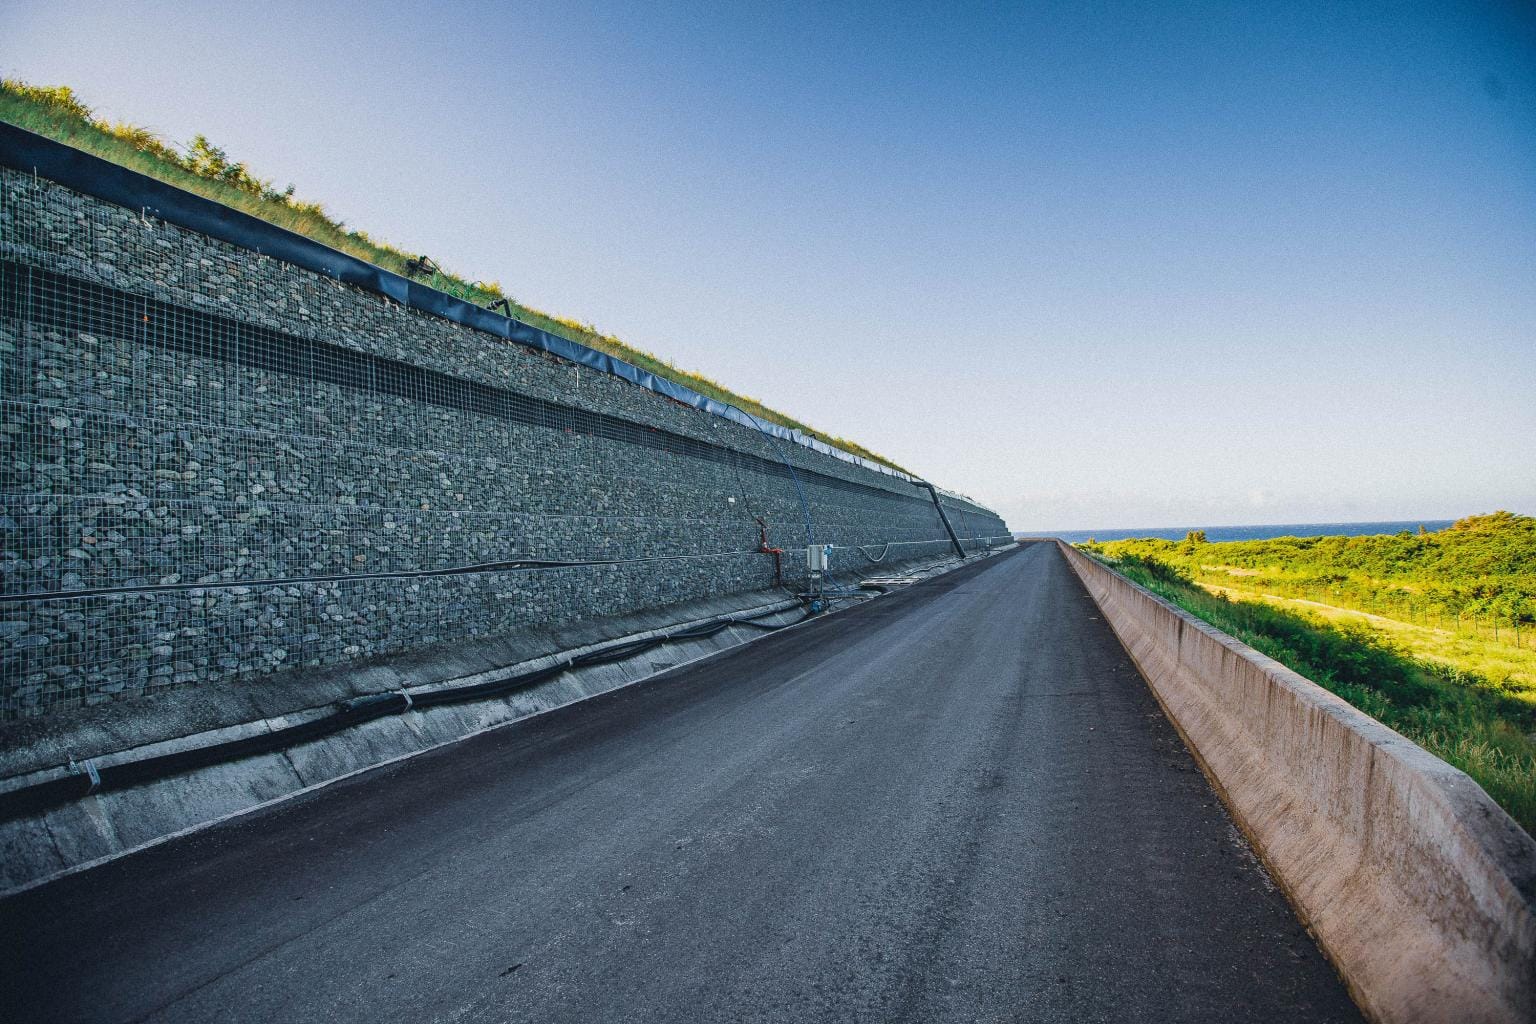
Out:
{"x": 403, "y": 574}
{"x": 41, "y": 796}
{"x": 883, "y": 552}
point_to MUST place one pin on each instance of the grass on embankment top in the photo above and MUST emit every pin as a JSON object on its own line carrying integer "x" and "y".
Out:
{"x": 1471, "y": 723}
{"x": 203, "y": 168}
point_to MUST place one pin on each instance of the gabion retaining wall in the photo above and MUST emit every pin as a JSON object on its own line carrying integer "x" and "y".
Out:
{"x": 218, "y": 465}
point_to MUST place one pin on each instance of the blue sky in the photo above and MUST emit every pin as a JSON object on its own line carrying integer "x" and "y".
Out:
{"x": 1096, "y": 265}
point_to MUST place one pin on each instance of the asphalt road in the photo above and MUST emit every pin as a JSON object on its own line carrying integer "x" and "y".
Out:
{"x": 955, "y": 803}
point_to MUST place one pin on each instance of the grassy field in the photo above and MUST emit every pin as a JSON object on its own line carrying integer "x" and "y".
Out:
{"x": 1477, "y": 576}
{"x": 1463, "y": 597}
{"x": 203, "y": 168}
{"x": 1500, "y": 660}
{"x": 1466, "y": 700}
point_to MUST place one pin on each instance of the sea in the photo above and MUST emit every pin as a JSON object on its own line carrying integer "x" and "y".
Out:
{"x": 1263, "y": 532}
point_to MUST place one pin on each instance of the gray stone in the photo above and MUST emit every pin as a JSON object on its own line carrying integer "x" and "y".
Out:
{"x": 184, "y": 466}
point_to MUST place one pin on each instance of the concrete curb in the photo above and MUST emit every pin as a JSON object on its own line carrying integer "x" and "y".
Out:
{"x": 1416, "y": 884}
{"x": 101, "y": 827}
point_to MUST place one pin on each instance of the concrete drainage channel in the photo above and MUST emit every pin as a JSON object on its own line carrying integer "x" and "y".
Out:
{"x": 68, "y": 817}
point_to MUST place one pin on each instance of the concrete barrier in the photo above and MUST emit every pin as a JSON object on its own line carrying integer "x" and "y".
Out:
{"x": 1417, "y": 885}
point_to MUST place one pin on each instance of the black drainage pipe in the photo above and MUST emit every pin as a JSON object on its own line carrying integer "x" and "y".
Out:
{"x": 934, "y": 494}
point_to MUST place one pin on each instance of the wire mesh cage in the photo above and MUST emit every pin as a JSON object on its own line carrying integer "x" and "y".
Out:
{"x": 218, "y": 465}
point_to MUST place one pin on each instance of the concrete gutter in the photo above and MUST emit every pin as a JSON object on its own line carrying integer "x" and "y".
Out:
{"x": 1416, "y": 884}
{"x": 107, "y": 825}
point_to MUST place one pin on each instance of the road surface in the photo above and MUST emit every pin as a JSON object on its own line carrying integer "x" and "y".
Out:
{"x": 955, "y": 803}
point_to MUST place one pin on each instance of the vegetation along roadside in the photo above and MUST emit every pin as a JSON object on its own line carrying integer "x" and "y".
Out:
{"x": 1472, "y": 703}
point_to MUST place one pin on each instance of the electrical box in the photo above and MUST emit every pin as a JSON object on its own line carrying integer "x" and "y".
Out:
{"x": 818, "y": 557}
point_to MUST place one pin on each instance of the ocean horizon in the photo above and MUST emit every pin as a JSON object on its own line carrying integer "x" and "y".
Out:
{"x": 1256, "y": 532}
